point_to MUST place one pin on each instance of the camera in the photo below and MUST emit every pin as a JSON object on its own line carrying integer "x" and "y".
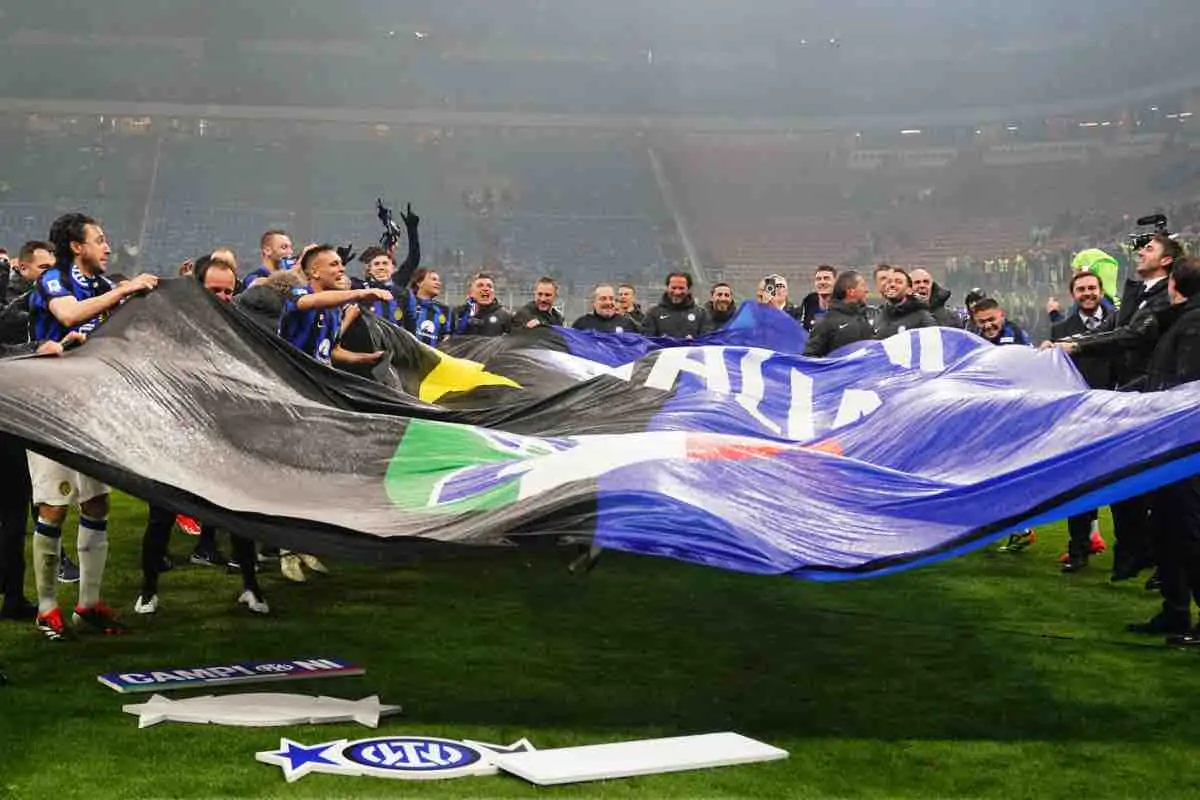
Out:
{"x": 391, "y": 231}
{"x": 1139, "y": 240}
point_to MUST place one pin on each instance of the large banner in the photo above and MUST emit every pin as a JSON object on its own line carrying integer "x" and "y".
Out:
{"x": 729, "y": 452}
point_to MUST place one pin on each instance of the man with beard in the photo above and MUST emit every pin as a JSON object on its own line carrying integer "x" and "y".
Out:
{"x": 846, "y": 320}
{"x": 934, "y": 296}
{"x": 628, "y": 305}
{"x": 677, "y": 314}
{"x": 604, "y": 316}
{"x": 721, "y": 307}
{"x": 816, "y": 302}
{"x": 1091, "y": 315}
{"x": 540, "y": 310}
{"x": 74, "y": 296}
{"x": 275, "y": 248}
{"x": 482, "y": 314}
{"x": 902, "y": 311}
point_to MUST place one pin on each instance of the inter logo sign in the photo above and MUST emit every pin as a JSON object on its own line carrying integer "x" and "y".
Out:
{"x": 404, "y": 757}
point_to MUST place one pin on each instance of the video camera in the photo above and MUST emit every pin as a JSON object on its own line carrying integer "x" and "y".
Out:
{"x": 1142, "y": 238}
{"x": 391, "y": 231}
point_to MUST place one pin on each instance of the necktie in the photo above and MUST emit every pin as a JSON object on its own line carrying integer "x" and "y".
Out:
{"x": 1092, "y": 323}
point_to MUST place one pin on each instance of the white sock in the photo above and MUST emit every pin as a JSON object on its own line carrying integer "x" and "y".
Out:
{"x": 47, "y": 555}
{"x": 93, "y": 553}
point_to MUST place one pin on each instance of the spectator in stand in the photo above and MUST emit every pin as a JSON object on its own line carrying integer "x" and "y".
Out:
{"x": 540, "y": 310}
{"x": 677, "y": 314}
{"x": 903, "y": 310}
{"x": 816, "y": 302}
{"x": 628, "y": 305}
{"x": 482, "y": 314}
{"x": 846, "y": 320}
{"x": 935, "y": 297}
{"x": 275, "y": 246}
{"x": 605, "y": 316}
{"x": 1091, "y": 315}
{"x": 721, "y": 307}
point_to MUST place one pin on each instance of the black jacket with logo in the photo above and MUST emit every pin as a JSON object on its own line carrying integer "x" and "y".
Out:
{"x": 682, "y": 321}
{"x": 617, "y": 323}
{"x": 810, "y": 311}
{"x": 530, "y": 311}
{"x": 490, "y": 320}
{"x": 844, "y": 323}
{"x": 895, "y": 318}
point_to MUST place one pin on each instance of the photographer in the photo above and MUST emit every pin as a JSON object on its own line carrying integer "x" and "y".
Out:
{"x": 482, "y": 314}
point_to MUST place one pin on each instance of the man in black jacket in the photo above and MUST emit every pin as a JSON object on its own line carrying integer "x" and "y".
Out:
{"x": 541, "y": 310}
{"x": 903, "y": 311}
{"x": 816, "y": 303}
{"x": 677, "y": 314}
{"x": 925, "y": 289}
{"x": 1175, "y": 508}
{"x": 1090, "y": 316}
{"x": 721, "y": 307}
{"x": 1128, "y": 346}
{"x": 482, "y": 314}
{"x": 628, "y": 305}
{"x": 604, "y": 316}
{"x": 846, "y": 321}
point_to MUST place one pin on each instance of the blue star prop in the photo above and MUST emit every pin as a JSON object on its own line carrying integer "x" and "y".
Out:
{"x": 297, "y": 760}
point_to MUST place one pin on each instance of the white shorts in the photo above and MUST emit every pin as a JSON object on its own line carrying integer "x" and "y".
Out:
{"x": 56, "y": 485}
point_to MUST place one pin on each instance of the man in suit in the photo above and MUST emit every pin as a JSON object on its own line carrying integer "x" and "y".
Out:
{"x": 1128, "y": 347}
{"x": 1090, "y": 315}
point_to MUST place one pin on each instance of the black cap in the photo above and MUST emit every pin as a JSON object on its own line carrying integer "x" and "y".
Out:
{"x": 974, "y": 296}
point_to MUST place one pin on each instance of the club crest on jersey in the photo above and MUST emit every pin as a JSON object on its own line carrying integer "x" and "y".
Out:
{"x": 404, "y": 757}
{"x": 64, "y": 488}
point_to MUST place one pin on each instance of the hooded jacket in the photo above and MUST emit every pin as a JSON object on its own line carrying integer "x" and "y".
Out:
{"x": 905, "y": 316}
{"x": 683, "y": 321}
{"x": 719, "y": 319}
{"x": 264, "y": 301}
{"x": 945, "y": 317}
{"x": 844, "y": 323}
{"x": 530, "y": 311}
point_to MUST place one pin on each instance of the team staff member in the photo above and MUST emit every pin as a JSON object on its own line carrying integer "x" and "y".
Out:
{"x": 604, "y": 316}
{"x": 218, "y": 276}
{"x": 677, "y": 314}
{"x": 74, "y": 296}
{"x": 540, "y": 310}
{"x": 482, "y": 314}
{"x": 845, "y": 322}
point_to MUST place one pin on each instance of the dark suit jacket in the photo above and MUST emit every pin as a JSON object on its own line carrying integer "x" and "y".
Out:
{"x": 1096, "y": 370}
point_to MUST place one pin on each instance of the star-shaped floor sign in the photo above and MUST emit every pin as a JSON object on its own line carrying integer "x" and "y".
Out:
{"x": 297, "y": 760}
